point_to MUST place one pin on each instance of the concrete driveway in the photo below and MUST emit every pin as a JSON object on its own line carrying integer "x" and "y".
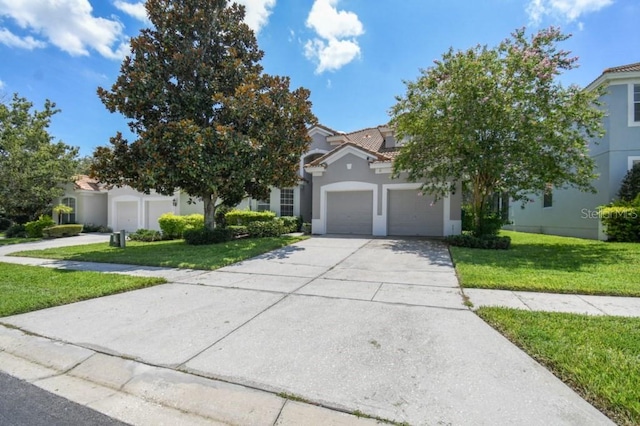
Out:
{"x": 374, "y": 325}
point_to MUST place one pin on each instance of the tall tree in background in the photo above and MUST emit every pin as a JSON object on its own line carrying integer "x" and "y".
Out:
{"x": 497, "y": 120}
{"x": 33, "y": 168}
{"x": 208, "y": 121}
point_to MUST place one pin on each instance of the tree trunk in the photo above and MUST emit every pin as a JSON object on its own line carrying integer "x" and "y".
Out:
{"x": 209, "y": 200}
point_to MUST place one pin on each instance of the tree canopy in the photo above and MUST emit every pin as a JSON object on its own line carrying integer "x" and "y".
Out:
{"x": 630, "y": 186}
{"x": 497, "y": 120}
{"x": 33, "y": 168}
{"x": 208, "y": 121}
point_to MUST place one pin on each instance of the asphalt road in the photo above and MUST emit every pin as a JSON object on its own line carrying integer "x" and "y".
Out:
{"x": 23, "y": 404}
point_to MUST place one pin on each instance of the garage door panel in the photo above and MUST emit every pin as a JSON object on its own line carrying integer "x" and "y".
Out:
{"x": 155, "y": 209}
{"x": 410, "y": 214}
{"x": 350, "y": 212}
{"x": 127, "y": 215}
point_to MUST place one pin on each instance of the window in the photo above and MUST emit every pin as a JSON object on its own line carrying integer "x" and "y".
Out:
{"x": 286, "y": 202}
{"x": 71, "y": 217}
{"x": 636, "y": 103}
{"x": 263, "y": 206}
{"x": 547, "y": 199}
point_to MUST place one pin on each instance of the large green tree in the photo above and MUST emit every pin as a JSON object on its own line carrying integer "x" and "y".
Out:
{"x": 208, "y": 121}
{"x": 497, "y": 120}
{"x": 33, "y": 168}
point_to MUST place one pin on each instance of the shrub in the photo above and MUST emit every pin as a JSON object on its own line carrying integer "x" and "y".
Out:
{"x": 291, "y": 223}
{"x": 274, "y": 228}
{"x": 622, "y": 222}
{"x": 90, "y": 227}
{"x": 16, "y": 231}
{"x": 471, "y": 241}
{"x": 193, "y": 221}
{"x": 172, "y": 225}
{"x": 105, "y": 229}
{"x": 145, "y": 235}
{"x": 220, "y": 216}
{"x": 630, "y": 187}
{"x": 202, "y": 236}
{"x": 5, "y": 223}
{"x": 58, "y": 231}
{"x": 34, "y": 228}
{"x": 238, "y": 230}
{"x": 245, "y": 217}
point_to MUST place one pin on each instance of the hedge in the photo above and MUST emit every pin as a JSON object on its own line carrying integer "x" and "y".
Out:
{"x": 58, "y": 231}
{"x": 202, "y": 236}
{"x": 274, "y": 228}
{"x": 145, "y": 235}
{"x": 470, "y": 241}
{"x": 622, "y": 222}
{"x": 245, "y": 217}
{"x": 291, "y": 223}
{"x": 34, "y": 229}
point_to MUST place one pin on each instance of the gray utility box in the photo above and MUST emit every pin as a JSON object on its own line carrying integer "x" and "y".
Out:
{"x": 118, "y": 239}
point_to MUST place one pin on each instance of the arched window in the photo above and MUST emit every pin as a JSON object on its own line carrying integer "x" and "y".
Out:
{"x": 71, "y": 217}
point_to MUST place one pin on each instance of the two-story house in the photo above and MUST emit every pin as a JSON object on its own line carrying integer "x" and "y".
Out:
{"x": 570, "y": 212}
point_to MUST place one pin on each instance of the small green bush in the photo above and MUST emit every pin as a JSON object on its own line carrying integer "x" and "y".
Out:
{"x": 172, "y": 225}
{"x": 266, "y": 229}
{"x": 291, "y": 223}
{"x": 306, "y": 228}
{"x": 58, "y": 231}
{"x": 145, "y": 235}
{"x": 194, "y": 221}
{"x": 245, "y": 217}
{"x": 202, "y": 236}
{"x": 16, "y": 231}
{"x": 90, "y": 227}
{"x": 471, "y": 241}
{"x": 238, "y": 230}
{"x": 34, "y": 228}
{"x": 622, "y": 222}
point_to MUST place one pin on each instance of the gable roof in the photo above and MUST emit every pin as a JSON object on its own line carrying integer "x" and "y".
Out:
{"x": 615, "y": 73}
{"x": 86, "y": 183}
{"x": 369, "y": 140}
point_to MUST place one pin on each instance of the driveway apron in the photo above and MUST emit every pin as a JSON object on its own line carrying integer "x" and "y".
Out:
{"x": 374, "y": 325}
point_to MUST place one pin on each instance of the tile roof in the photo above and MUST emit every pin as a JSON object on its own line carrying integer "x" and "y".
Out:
{"x": 369, "y": 140}
{"x": 86, "y": 183}
{"x": 623, "y": 68}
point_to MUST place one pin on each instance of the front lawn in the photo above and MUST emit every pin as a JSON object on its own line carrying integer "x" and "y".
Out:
{"x": 28, "y": 288}
{"x": 552, "y": 264}
{"x": 597, "y": 356}
{"x": 175, "y": 254}
{"x": 8, "y": 241}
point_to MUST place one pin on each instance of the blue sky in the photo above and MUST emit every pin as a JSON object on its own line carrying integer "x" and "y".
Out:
{"x": 352, "y": 54}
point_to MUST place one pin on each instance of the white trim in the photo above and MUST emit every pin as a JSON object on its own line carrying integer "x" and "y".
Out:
{"x": 382, "y": 168}
{"x": 320, "y": 130}
{"x": 319, "y": 225}
{"x": 631, "y": 159}
{"x": 614, "y": 79}
{"x": 349, "y": 149}
{"x": 631, "y": 104}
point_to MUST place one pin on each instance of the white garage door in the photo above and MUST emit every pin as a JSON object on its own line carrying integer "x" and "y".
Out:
{"x": 412, "y": 214}
{"x": 155, "y": 209}
{"x": 126, "y": 216}
{"x": 350, "y": 212}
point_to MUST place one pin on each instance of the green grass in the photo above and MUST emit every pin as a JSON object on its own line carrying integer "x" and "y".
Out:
{"x": 8, "y": 241}
{"x": 175, "y": 254}
{"x": 552, "y": 264}
{"x": 597, "y": 356}
{"x": 28, "y": 288}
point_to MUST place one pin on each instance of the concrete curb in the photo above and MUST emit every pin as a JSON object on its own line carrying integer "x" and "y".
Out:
{"x": 142, "y": 394}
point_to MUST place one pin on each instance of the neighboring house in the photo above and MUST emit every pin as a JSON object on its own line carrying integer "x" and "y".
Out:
{"x": 570, "y": 212}
{"x": 345, "y": 188}
{"x": 87, "y": 199}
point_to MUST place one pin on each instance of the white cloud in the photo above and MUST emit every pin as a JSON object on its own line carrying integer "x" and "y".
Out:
{"x": 68, "y": 25}
{"x": 566, "y": 10}
{"x": 257, "y": 12}
{"x": 1, "y": 84}
{"x": 331, "y": 55}
{"x": 12, "y": 40}
{"x": 336, "y": 44}
{"x": 135, "y": 10}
